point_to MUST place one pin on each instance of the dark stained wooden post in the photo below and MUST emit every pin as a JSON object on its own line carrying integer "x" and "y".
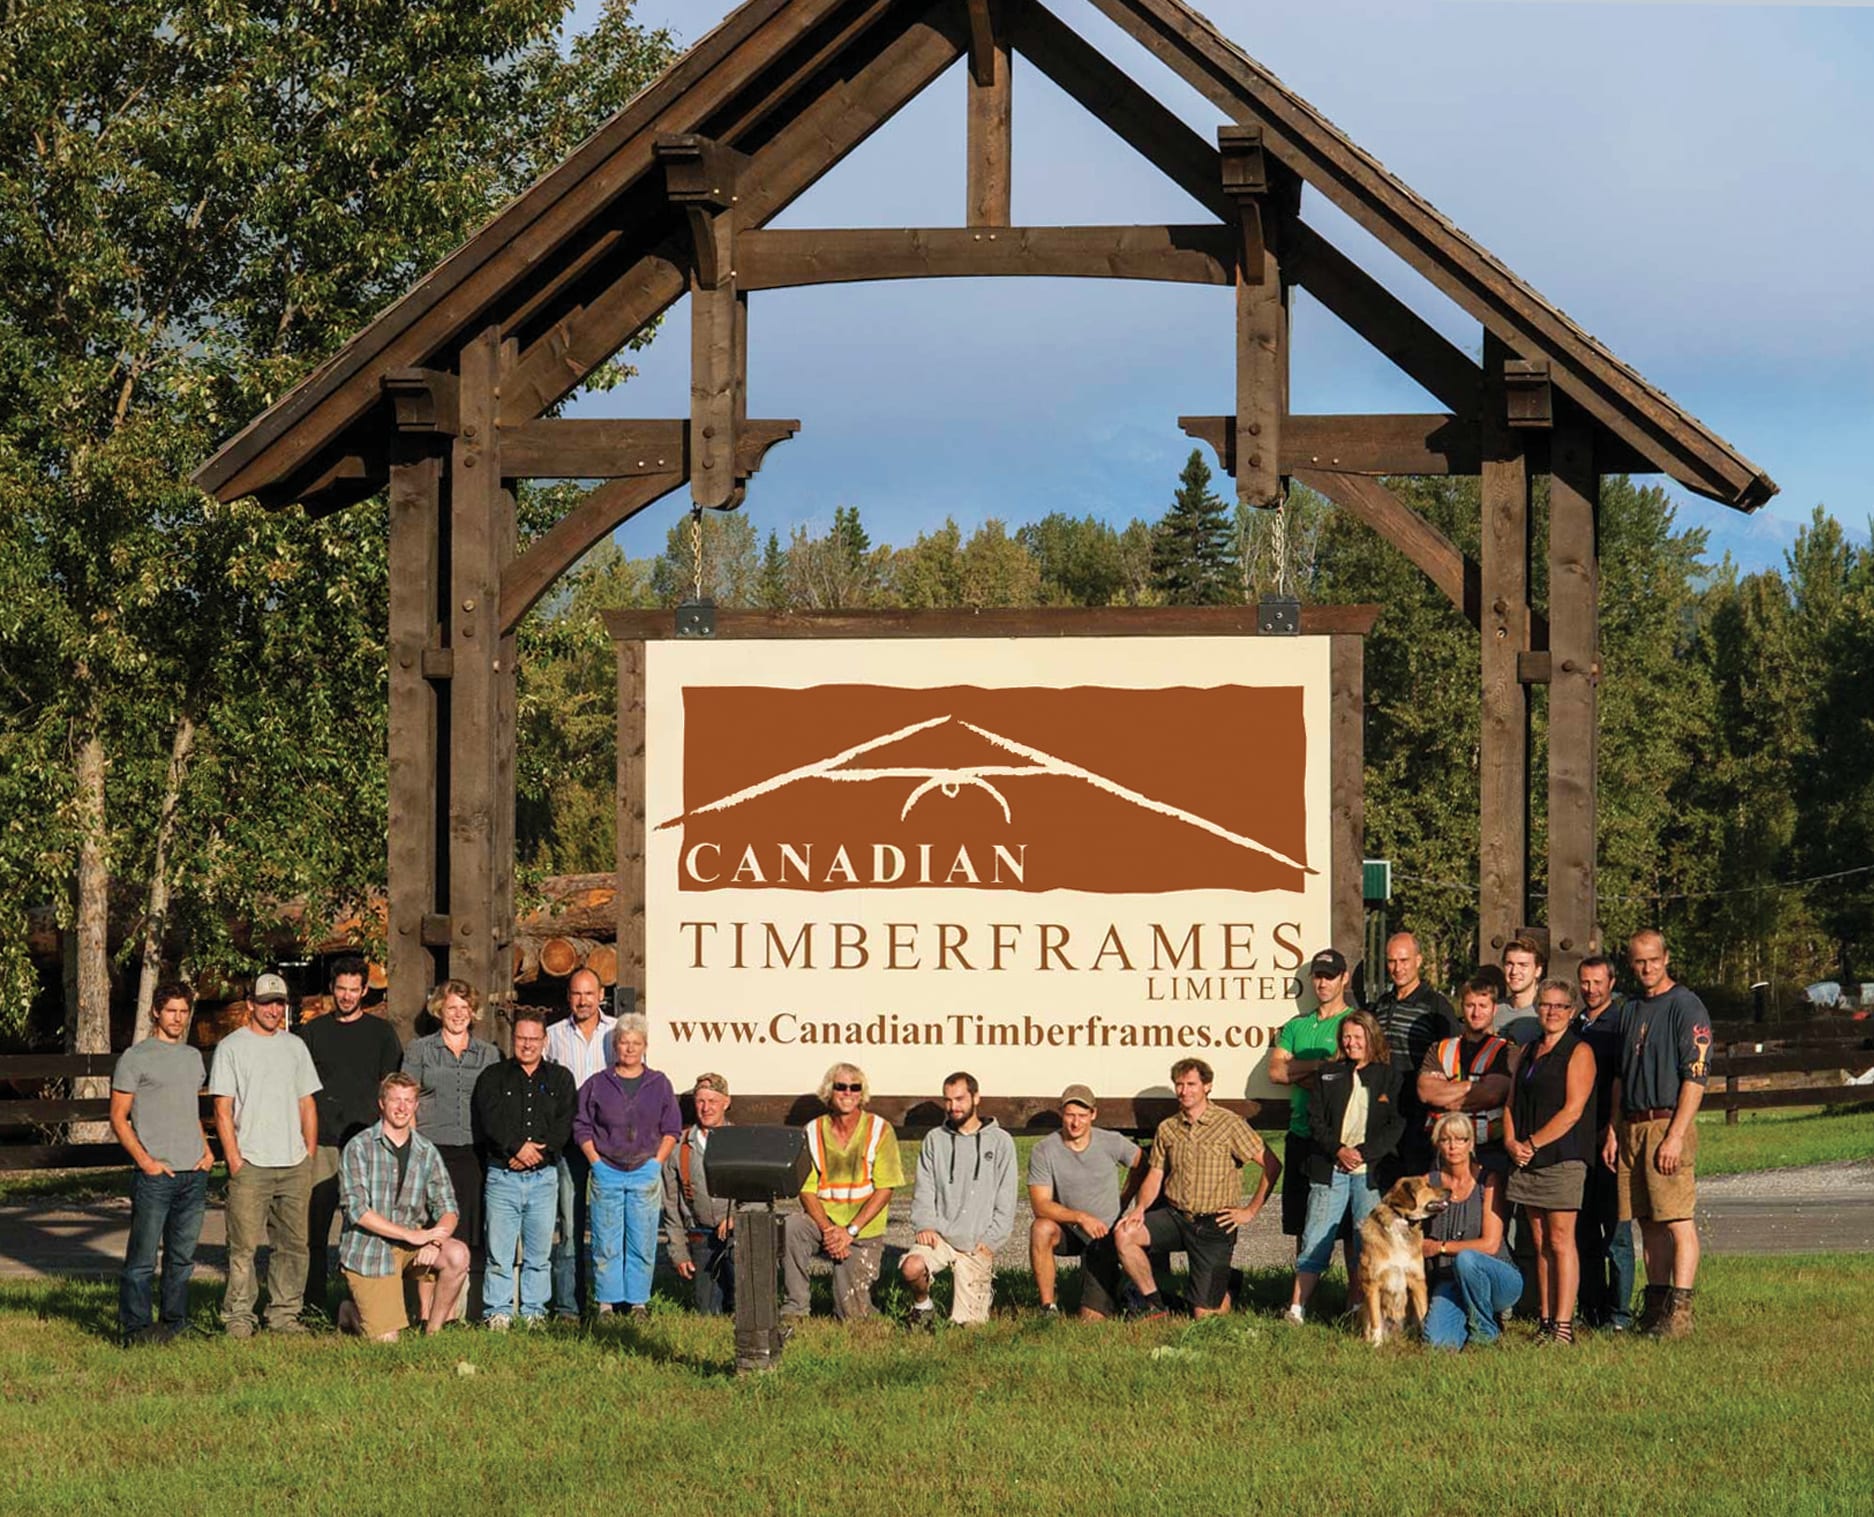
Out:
{"x": 1347, "y": 788}
{"x": 630, "y": 898}
{"x": 1261, "y": 320}
{"x": 1574, "y": 661}
{"x": 481, "y": 825}
{"x": 1503, "y": 737}
{"x": 701, "y": 176}
{"x": 991, "y": 117}
{"x": 418, "y": 857}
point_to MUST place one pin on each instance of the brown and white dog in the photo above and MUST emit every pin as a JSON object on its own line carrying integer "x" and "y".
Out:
{"x": 1392, "y": 1259}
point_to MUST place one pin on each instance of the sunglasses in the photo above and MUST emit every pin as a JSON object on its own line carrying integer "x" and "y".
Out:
{"x": 860, "y": 1089}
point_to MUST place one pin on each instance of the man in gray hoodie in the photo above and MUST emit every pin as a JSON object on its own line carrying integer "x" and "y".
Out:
{"x": 963, "y": 1206}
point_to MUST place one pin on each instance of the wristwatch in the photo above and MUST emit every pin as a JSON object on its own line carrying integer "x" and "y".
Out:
{"x": 852, "y": 1229}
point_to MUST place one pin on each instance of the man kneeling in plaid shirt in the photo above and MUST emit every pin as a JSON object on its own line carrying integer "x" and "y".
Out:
{"x": 400, "y": 1217}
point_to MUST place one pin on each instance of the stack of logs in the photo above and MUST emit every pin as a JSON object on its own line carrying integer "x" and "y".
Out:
{"x": 573, "y": 927}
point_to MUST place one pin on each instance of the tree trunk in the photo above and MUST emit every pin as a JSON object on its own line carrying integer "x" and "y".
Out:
{"x": 156, "y": 911}
{"x": 89, "y": 1018}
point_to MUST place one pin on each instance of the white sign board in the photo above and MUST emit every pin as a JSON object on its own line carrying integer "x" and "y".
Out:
{"x": 1041, "y": 860}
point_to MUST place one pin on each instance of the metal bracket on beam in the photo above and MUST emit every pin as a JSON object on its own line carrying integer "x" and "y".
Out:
{"x": 1528, "y": 394}
{"x": 1246, "y": 186}
{"x": 424, "y": 401}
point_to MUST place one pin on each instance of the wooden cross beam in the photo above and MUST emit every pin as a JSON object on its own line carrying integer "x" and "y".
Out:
{"x": 772, "y": 260}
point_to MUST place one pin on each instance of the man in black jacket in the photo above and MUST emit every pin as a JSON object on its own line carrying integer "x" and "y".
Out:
{"x": 524, "y": 1120}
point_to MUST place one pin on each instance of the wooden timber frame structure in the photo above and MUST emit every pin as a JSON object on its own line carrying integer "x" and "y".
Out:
{"x": 447, "y": 397}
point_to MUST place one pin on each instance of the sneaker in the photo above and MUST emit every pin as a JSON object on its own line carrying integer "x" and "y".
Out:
{"x": 1051, "y": 1310}
{"x": 496, "y": 1324}
{"x": 1148, "y": 1309}
{"x": 239, "y": 1329}
{"x": 1295, "y": 1315}
{"x": 602, "y": 1309}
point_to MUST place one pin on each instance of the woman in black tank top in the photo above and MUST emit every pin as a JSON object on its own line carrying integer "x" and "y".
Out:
{"x": 1548, "y": 1132}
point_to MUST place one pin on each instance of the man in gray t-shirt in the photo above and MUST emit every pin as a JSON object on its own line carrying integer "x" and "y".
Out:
{"x": 1073, "y": 1184}
{"x": 263, "y": 1084}
{"x": 155, "y": 1113}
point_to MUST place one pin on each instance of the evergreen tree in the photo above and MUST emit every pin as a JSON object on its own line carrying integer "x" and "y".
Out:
{"x": 1191, "y": 545}
{"x": 771, "y": 582}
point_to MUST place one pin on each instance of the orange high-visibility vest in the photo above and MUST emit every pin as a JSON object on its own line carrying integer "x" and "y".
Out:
{"x": 1489, "y": 1124}
{"x": 863, "y": 1187}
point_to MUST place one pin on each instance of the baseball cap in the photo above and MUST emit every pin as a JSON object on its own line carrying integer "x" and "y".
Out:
{"x": 269, "y": 987}
{"x": 713, "y": 1082}
{"x": 1077, "y": 1095}
{"x": 1329, "y": 961}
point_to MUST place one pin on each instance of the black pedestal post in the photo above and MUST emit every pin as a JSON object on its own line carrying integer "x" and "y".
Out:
{"x": 758, "y": 1334}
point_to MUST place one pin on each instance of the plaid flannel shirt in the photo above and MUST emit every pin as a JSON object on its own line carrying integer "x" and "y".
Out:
{"x": 368, "y": 1182}
{"x": 1203, "y": 1159}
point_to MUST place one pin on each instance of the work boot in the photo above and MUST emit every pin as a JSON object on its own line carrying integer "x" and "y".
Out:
{"x": 1653, "y": 1310}
{"x": 1676, "y": 1320}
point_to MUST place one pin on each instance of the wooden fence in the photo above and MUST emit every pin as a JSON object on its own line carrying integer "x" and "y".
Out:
{"x": 1745, "y": 1051}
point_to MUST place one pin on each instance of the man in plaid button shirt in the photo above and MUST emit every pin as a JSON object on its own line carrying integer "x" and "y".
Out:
{"x": 400, "y": 1218}
{"x": 1195, "y": 1164}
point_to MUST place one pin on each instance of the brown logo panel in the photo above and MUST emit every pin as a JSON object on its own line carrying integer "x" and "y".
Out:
{"x": 852, "y": 786}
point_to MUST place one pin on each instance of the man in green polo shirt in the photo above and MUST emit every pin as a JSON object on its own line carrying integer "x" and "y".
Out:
{"x": 1305, "y": 1043}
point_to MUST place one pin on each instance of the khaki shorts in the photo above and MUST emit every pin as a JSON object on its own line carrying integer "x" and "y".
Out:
{"x": 974, "y": 1277}
{"x": 1645, "y": 1194}
{"x": 379, "y": 1298}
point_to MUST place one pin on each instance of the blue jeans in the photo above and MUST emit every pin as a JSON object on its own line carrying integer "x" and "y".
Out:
{"x": 165, "y": 1210}
{"x": 522, "y": 1207}
{"x": 627, "y": 1205}
{"x": 1464, "y": 1303}
{"x": 1342, "y": 1198}
{"x": 1606, "y": 1245}
{"x": 572, "y": 1258}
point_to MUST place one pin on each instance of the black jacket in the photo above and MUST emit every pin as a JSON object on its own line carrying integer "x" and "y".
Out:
{"x": 1327, "y": 1106}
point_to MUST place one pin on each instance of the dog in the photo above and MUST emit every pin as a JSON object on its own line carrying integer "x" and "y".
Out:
{"x": 1392, "y": 1258}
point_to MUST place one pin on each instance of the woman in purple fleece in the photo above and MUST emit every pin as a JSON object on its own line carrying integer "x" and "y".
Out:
{"x": 626, "y": 1125}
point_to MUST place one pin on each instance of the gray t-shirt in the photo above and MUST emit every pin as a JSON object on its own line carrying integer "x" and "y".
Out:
{"x": 266, "y": 1076}
{"x": 1519, "y": 1024}
{"x": 1087, "y": 1181}
{"x": 165, "y": 1082}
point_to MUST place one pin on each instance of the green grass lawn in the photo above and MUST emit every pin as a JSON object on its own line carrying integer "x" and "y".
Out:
{"x": 1765, "y": 1409}
{"x": 1781, "y": 1139}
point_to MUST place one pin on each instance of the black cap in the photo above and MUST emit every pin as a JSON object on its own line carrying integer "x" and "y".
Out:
{"x": 1329, "y": 961}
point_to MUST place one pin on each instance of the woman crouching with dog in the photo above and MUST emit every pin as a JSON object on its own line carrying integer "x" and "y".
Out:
{"x": 1353, "y": 1111}
{"x": 1470, "y": 1281}
{"x": 1548, "y": 1132}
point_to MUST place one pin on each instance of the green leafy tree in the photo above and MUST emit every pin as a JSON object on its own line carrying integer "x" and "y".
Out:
{"x": 1078, "y": 560}
{"x": 203, "y": 200}
{"x": 1191, "y": 545}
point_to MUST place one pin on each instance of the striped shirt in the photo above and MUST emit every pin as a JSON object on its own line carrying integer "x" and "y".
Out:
{"x": 585, "y": 1057}
{"x": 367, "y": 1179}
{"x": 1201, "y": 1159}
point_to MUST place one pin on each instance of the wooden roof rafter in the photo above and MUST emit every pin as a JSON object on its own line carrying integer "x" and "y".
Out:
{"x": 595, "y": 250}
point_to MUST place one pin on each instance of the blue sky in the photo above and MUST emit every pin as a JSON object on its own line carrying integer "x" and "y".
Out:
{"x": 1690, "y": 182}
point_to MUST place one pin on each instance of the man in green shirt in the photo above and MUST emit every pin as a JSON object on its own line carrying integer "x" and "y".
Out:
{"x": 1305, "y": 1043}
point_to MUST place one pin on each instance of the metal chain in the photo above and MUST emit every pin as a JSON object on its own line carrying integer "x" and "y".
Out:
{"x": 696, "y": 548}
{"x": 1278, "y": 546}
